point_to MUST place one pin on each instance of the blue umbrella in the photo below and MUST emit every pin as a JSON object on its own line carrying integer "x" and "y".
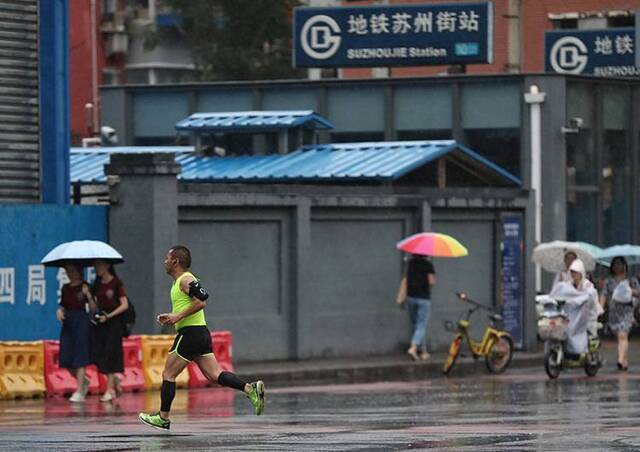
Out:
{"x": 595, "y": 251}
{"x": 630, "y": 252}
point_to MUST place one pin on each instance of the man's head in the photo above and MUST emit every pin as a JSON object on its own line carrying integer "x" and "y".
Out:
{"x": 177, "y": 256}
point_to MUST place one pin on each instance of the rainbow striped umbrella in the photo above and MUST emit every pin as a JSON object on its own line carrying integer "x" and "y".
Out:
{"x": 432, "y": 244}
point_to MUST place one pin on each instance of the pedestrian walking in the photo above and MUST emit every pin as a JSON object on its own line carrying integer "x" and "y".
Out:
{"x": 415, "y": 290}
{"x": 618, "y": 295}
{"x": 111, "y": 300}
{"x": 75, "y": 338}
{"x": 193, "y": 341}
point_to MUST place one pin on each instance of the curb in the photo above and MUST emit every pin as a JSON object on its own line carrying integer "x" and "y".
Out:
{"x": 315, "y": 373}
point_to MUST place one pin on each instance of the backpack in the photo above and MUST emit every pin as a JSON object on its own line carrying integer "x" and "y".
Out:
{"x": 129, "y": 318}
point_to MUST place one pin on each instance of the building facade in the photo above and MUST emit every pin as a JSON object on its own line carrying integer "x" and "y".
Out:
{"x": 588, "y": 193}
{"x": 519, "y": 27}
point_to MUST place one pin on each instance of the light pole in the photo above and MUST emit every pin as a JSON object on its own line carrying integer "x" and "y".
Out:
{"x": 535, "y": 99}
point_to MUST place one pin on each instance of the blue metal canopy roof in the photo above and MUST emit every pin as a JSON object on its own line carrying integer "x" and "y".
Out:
{"x": 377, "y": 161}
{"x": 245, "y": 121}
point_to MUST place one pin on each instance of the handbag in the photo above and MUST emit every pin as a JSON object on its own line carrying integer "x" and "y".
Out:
{"x": 402, "y": 291}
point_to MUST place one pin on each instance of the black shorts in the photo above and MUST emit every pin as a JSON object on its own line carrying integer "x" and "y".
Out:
{"x": 192, "y": 342}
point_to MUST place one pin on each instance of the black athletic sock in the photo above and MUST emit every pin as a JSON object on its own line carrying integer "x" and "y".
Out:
{"x": 231, "y": 381}
{"x": 167, "y": 393}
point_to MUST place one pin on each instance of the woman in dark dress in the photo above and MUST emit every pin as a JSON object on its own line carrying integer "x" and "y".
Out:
{"x": 111, "y": 300}
{"x": 75, "y": 337}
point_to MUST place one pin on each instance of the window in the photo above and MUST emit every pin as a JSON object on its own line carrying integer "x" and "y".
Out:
{"x": 491, "y": 122}
{"x": 501, "y": 146}
{"x": 563, "y": 24}
{"x": 354, "y": 137}
{"x": 582, "y": 210}
{"x": 174, "y": 75}
{"x": 621, "y": 21}
{"x": 616, "y": 165}
{"x": 582, "y": 170}
{"x": 411, "y": 135}
{"x": 138, "y": 76}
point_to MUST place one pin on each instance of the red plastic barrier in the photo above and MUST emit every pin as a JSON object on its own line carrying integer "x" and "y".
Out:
{"x": 57, "y": 381}
{"x": 94, "y": 379}
{"x": 222, "y": 350}
{"x": 196, "y": 378}
{"x": 132, "y": 379}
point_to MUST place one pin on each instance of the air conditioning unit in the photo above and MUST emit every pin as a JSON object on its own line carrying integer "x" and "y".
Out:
{"x": 117, "y": 43}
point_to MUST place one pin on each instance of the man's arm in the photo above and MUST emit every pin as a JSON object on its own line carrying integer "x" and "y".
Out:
{"x": 431, "y": 277}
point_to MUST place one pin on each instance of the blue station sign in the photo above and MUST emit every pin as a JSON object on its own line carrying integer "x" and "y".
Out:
{"x": 411, "y": 35}
{"x": 605, "y": 53}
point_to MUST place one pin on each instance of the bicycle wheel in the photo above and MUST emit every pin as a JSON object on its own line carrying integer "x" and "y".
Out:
{"x": 454, "y": 351}
{"x": 499, "y": 354}
{"x": 550, "y": 366}
{"x": 592, "y": 364}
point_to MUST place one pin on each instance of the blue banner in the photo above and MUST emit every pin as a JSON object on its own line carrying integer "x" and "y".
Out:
{"x": 604, "y": 53}
{"x": 29, "y": 293}
{"x": 512, "y": 246}
{"x": 411, "y": 35}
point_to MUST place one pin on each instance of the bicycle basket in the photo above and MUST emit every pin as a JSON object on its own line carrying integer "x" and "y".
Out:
{"x": 554, "y": 328}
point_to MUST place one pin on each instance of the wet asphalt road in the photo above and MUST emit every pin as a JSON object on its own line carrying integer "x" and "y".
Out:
{"x": 520, "y": 410}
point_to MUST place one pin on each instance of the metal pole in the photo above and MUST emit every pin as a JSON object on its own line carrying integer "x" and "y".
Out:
{"x": 94, "y": 67}
{"x": 535, "y": 99}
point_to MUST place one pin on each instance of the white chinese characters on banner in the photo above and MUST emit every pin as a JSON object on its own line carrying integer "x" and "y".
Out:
{"x": 62, "y": 278}
{"x": 401, "y": 23}
{"x": 36, "y": 292}
{"x": 379, "y": 24}
{"x": 621, "y": 45}
{"x": 7, "y": 285}
{"x": 358, "y": 25}
{"x": 469, "y": 22}
{"x": 446, "y": 21}
{"x": 422, "y": 22}
{"x": 604, "y": 45}
{"x": 624, "y": 44}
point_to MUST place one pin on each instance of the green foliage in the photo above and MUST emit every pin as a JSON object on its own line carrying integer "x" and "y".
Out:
{"x": 238, "y": 39}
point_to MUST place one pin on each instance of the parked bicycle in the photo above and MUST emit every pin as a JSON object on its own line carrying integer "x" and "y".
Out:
{"x": 496, "y": 345}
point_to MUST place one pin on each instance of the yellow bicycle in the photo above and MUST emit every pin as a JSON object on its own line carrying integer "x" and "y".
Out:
{"x": 496, "y": 345}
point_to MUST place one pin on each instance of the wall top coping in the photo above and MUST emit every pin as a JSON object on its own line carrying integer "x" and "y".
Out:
{"x": 160, "y": 163}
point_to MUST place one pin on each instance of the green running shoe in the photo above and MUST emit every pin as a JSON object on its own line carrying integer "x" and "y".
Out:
{"x": 257, "y": 396}
{"x": 154, "y": 420}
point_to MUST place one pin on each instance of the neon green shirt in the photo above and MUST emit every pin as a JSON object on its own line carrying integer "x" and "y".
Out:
{"x": 181, "y": 301}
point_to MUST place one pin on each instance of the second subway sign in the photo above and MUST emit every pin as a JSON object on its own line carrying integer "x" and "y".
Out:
{"x": 417, "y": 35}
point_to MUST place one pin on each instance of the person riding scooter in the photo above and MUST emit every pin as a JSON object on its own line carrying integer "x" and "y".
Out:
{"x": 581, "y": 307}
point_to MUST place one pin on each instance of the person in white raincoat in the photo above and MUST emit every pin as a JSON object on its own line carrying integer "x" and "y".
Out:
{"x": 581, "y": 306}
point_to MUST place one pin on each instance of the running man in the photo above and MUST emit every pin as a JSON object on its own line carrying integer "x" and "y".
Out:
{"x": 193, "y": 342}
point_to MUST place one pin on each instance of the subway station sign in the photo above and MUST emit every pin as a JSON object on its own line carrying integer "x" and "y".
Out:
{"x": 604, "y": 53}
{"x": 412, "y": 35}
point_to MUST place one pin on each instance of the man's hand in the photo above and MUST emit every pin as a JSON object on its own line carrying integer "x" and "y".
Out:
{"x": 167, "y": 319}
{"x": 60, "y": 314}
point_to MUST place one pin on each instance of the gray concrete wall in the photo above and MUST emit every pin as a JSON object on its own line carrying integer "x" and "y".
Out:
{"x": 143, "y": 223}
{"x": 296, "y": 271}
